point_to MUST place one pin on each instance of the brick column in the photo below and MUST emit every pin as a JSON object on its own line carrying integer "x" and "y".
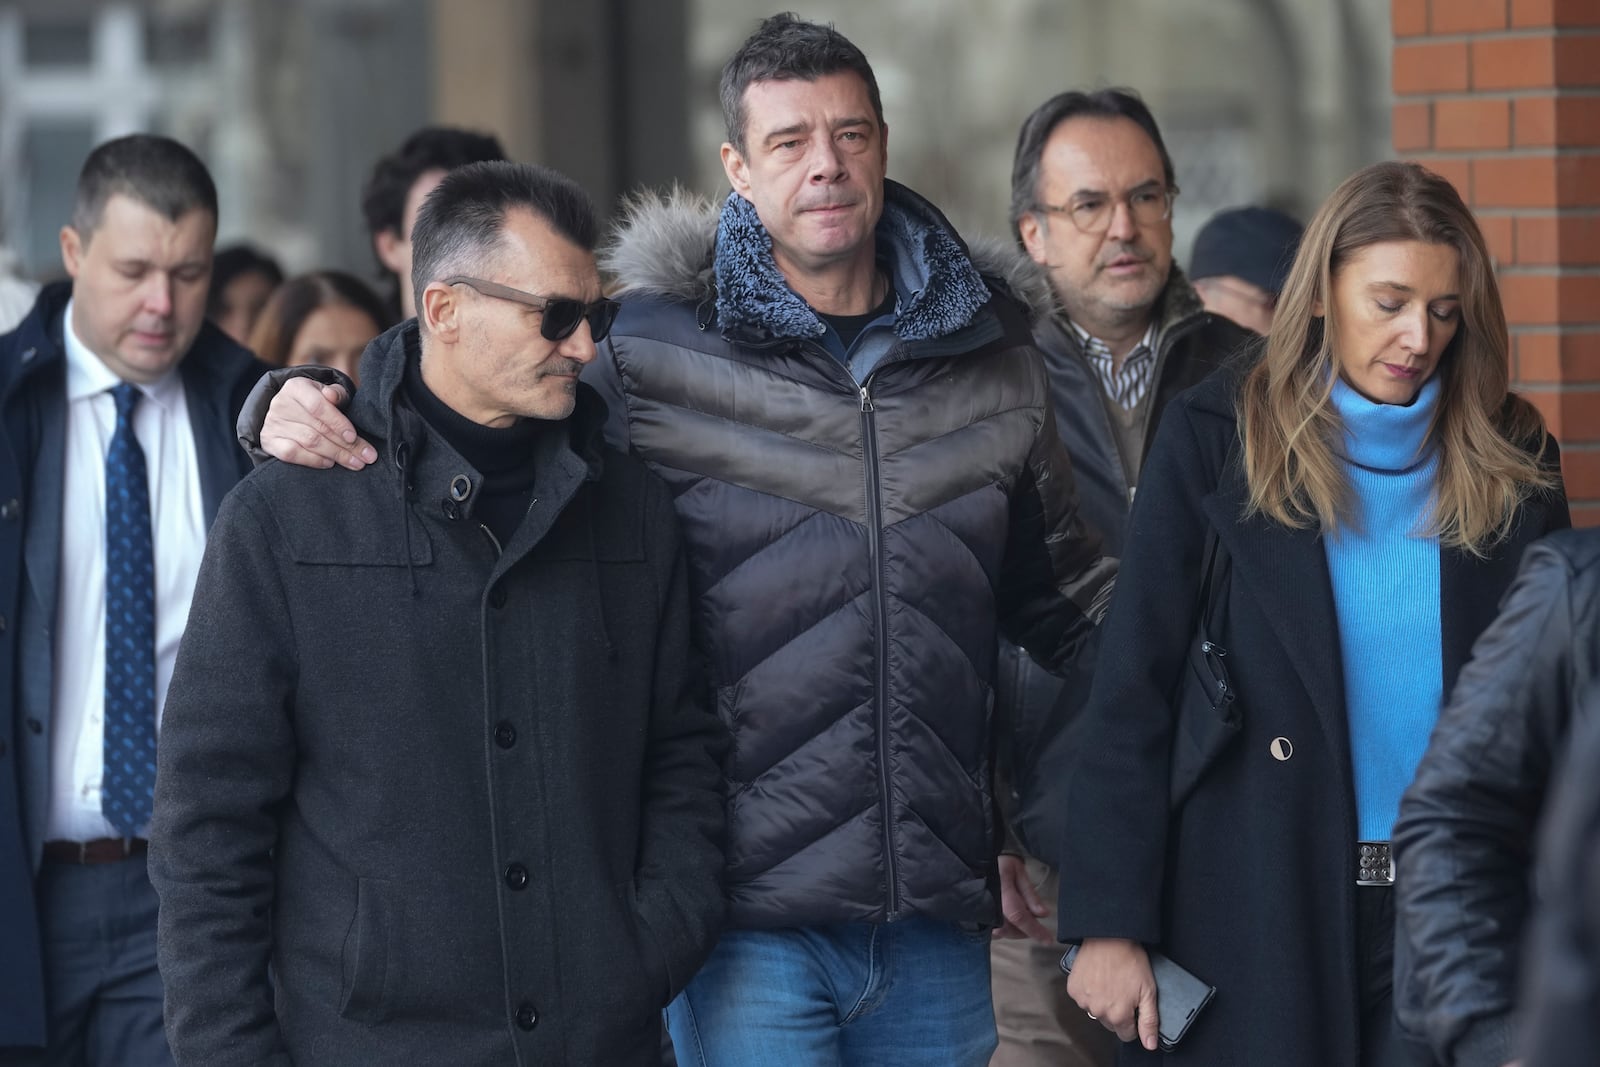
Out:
{"x": 1503, "y": 98}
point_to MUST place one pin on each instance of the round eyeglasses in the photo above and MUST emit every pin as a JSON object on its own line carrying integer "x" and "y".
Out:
{"x": 1092, "y": 212}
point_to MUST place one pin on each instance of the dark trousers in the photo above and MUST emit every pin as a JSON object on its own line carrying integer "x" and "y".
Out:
{"x": 102, "y": 988}
{"x": 1383, "y": 1043}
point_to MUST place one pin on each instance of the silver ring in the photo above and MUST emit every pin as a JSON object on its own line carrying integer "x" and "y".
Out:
{"x": 1091, "y": 1015}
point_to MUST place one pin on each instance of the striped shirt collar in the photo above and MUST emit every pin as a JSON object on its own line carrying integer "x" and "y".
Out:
{"x": 1128, "y": 385}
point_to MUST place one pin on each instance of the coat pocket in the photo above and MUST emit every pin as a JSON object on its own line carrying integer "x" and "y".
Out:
{"x": 421, "y": 950}
{"x": 1208, "y": 717}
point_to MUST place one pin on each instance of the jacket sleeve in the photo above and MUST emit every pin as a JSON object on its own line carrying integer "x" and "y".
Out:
{"x": 1054, "y": 584}
{"x": 253, "y": 414}
{"x": 1114, "y": 852}
{"x": 1558, "y": 1022}
{"x": 679, "y": 885}
{"x": 225, "y": 766}
{"x": 1467, "y": 822}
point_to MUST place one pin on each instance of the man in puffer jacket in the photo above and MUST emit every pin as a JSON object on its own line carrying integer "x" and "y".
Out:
{"x": 857, "y": 431}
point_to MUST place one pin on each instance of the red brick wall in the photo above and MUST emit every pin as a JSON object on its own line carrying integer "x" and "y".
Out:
{"x": 1503, "y": 98}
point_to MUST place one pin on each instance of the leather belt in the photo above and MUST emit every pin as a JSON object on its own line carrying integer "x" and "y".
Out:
{"x": 100, "y": 850}
{"x": 1374, "y": 863}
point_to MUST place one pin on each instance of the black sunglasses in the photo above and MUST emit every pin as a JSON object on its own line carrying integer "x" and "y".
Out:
{"x": 561, "y": 313}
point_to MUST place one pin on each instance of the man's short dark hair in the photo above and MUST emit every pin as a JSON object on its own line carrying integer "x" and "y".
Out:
{"x": 156, "y": 171}
{"x": 787, "y": 47}
{"x": 462, "y": 222}
{"x": 383, "y": 200}
{"x": 1037, "y": 128}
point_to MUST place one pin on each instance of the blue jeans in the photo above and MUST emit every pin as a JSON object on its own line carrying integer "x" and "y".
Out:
{"x": 907, "y": 994}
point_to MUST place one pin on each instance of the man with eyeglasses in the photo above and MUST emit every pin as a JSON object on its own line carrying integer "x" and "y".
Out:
{"x": 438, "y": 783}
{"x": 1091, "y": 205}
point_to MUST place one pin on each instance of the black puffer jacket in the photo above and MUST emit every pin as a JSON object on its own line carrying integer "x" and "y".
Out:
{"x": 1465, "y": 835}
{"x": 852, "y": 546}
{"x": 1190, "y": 344}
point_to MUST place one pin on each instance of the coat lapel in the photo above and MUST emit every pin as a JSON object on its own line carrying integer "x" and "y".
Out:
{"x": 217, "y": 452}
{"x": 1286, "y": 572}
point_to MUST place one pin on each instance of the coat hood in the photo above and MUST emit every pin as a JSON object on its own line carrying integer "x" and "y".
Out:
{"x": 679, "y": 245}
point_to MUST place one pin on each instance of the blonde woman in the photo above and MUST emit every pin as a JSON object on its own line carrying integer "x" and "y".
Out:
{"x": 1370, "y": 484}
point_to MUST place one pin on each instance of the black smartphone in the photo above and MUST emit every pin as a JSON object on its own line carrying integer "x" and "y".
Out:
{"x": 1179, "y": 995}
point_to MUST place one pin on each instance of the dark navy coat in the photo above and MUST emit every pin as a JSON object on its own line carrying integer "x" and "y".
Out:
{"x": 217, "y": 374}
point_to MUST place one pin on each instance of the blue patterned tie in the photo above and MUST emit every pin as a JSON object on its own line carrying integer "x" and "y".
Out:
{"x": 129, "y": 774}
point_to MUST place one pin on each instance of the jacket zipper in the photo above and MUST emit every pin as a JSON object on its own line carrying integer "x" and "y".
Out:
{"x": 880, "y": 607}
{"x": 880, "y": 613}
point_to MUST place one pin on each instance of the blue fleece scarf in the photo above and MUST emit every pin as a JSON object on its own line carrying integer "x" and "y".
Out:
{"x": 939, "y": 291}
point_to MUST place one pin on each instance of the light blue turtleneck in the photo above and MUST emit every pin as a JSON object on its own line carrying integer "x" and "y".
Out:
{"x": 1386, "y": 595}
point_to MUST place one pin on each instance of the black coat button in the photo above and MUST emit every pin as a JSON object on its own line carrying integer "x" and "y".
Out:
{"x": 35, "y": 726}
{"x": 497, "y": 596}
{"x": 517, "y": 876}
{"x": 527, "y": 1016}
{"x": 11, "y": 509}
{"x": 505, "y": 735}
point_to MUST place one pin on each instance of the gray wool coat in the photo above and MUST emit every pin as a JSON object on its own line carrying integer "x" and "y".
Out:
{"x": 467, "y": 804}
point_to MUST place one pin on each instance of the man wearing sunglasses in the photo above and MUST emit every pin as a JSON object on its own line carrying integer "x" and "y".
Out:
{"x": 436, "y": 751}
{"x": 1092, "y": 188}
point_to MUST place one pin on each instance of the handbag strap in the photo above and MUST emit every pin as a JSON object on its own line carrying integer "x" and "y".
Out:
{"x": 1209, "y": 584}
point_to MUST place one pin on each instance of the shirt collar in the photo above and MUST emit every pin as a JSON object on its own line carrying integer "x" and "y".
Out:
{"x": 1096, "y": 346}
{"x": 88, "y": 375}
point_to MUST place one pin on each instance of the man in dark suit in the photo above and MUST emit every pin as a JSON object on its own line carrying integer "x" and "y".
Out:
{"x": 117, "y": 404}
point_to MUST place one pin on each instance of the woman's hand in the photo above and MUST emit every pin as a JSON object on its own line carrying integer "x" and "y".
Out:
{"x": 1111, "y": 980}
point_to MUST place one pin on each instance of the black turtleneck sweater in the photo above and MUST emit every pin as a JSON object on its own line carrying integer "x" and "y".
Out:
{"x": 506, "y": 458}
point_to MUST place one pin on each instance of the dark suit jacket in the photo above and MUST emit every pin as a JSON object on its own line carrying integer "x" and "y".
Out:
{"x": 217, "y": 374}
{"x": 1251, "y": 883}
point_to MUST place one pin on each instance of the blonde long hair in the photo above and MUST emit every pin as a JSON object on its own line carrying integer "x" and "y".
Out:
{"x": 1488, "y": 439}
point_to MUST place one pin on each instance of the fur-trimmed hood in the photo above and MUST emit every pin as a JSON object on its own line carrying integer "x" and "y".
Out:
{"x": 665, "y": 245}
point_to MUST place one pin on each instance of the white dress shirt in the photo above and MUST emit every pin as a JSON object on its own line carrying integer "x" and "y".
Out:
{"x": 178, "y": 528}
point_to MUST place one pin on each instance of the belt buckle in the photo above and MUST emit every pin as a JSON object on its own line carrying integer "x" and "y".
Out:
{"x": 1374, "y": 863}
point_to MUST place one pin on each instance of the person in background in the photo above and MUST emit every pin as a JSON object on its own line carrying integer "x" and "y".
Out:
{"x": 1240, "y": 262}
{"x": 1369, "y": 485}
{"x": 242, "y": 281}
{"x": 325, "y": 318}
{"x": 1469, "y": 822}
{"x": 117, "y": 405}
{"x": 399, "y": 183}
{"x": 1091, "y": 206}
